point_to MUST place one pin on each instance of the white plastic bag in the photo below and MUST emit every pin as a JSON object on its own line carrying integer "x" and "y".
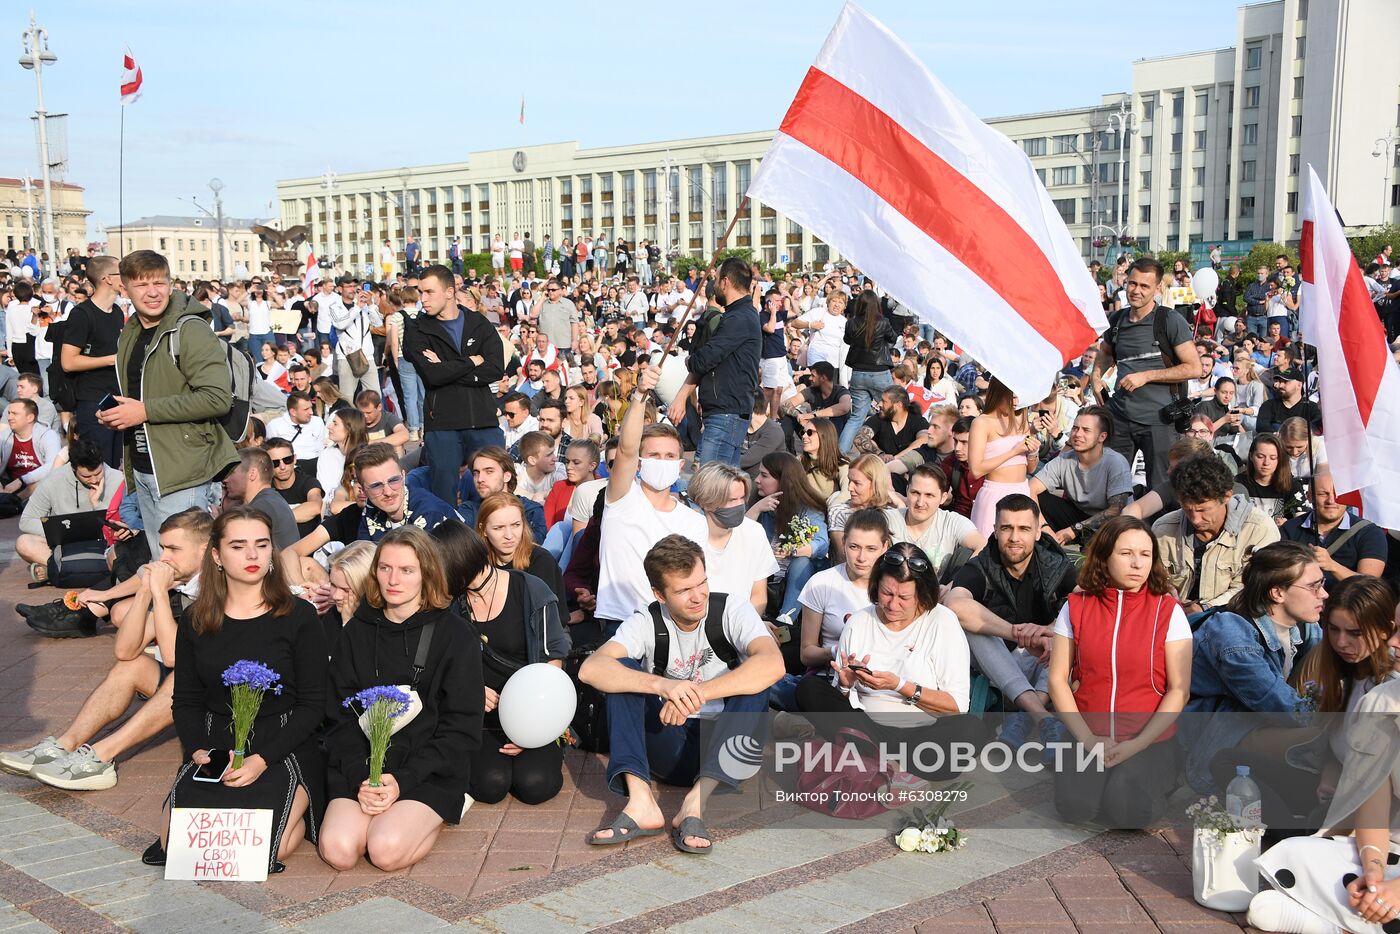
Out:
{"x": 1223, "y": 874}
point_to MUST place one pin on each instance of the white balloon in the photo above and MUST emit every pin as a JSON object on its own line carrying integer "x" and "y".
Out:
{"x": 536, "y": 705}
{"x": 673, "y": 375}
{"x": 1205, "y": 282}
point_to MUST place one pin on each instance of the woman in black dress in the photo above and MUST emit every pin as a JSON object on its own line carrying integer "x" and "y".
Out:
{"x": 500, "y": 521}
{"x": 519, "y": 622}
{"x": 246, "y": 611}
{"x": 403, "y": 634}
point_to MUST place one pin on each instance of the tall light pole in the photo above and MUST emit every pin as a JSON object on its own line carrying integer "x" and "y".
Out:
{"x": 404, "y": 176}
{"x": 216, "y": 185}
{"x": 1385, "y": 150}
{"x": 1123, "y": 120}
{"x": 29, "y": 211}
{"x": 36, "y": 55}
{"x": 328, "y": 183}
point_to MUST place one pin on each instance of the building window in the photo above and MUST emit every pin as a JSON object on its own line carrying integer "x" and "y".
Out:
{"x": 1394, "y": 195}
{"x": 1147, "y": 145}
{"x": 1175, "y": 178}
{"x": 1300, "y": 47}
{"x": 1247, "y": 206}
{"x": 629, "y": 194}
{"x": 1178, "y": 103}
{"x": 1293, "y": 164}
{"x": 1251, "y": 134}
{"x": 1034, "y": 146}
{"x": 1146, "y": 180}
{"x": 719, "y": 187}
{"x": 205, "y": 265}
{"x": 1173, "y": 213}
{"x": 1149, "y": 108}
{"x": 1066, "y": 208}
{"x": 162, "y": 244}
{"x": 1251, "y": 96}
{"x": 1253, "y": 57}
{"x": 1202, "y": 104}
{"x": 743, "y": 172}
{"x": 697, "y": 188}
{"x": 1200, "y": 140}
{"x": 1176, "y": 142}
{"x": 1296, "y": 127}
{"x": 1145, "y": 213}
{"x": 649, "y": 192}
{"x": 1198, "y": 210}
{"x": 1247, "y": 170}
{"x": 181, "y": 267}
{"x": 180, "y": 244}
{"x": 1198, "y": 177}
{"x": 1302, "y": 9}
{"x": 1298, "y": 88}
{"x": 1066, "y": 144}
{"x": 1063, "y": 175}
{"x": 1293, "y": 202}
{"x": 1040, "y": 174}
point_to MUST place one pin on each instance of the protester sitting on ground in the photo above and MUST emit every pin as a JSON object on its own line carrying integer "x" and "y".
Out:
{"x": 1345, "y": 545}
{"x": 1207, "y": 542}
{"x": 946, "y": 537}
{"x": 898, "y": 430}
{"x": 1241, "y": 662}
{"x": 793, "y": 521}
{"x": 1000, "y": 453}
{"x": 1006, "y": 599}
{"x": 1302, "y": 450}
{"x": 82, "y": 484}
{"x": 144, "y": 609}
{"x": 1120, "y": 673}
{"x": 534, "y": 472}
{"x": 1086, "y": 485}
{"x": 30, "y": 386}
{"x": 1162, "y": 498}
{"x": 380, "y": 424}
{"x": 867, "y": 487}
{"x": 763, "y": 436}
{"x": 28, "y": 450}
{"x": 737, "y": 556}
{"x": 689, "y": 656}
{"x": 1266, "y": 480}
{"x": 581, "y": 460}
{"x": 245, "y": 612}
{"x": 821, "y": 458}
{"x": 491, "y": 470}
{"x": 404, "y": 633}
{"x": 300, "y": 492}
{"x": 915, "y": 684}
{"x": 345, "y": 434}
{"x": 349, "y": 574}
{"x": 327, "y": 399}
{"x": 250, "y": 484}
{"x": 501, "y": 524}
{"x": 518, "y": 618}
{"x": 305, "y": 430}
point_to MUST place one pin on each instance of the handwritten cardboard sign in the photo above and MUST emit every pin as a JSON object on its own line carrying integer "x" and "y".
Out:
{"x": 219, "y": 844}
{"x": 285, "y": 321}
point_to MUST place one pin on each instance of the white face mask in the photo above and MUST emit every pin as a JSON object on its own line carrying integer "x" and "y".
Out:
{"x": 660, "y": 474}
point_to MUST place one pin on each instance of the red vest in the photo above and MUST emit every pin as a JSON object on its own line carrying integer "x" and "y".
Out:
{"x": 1120, "y": 659}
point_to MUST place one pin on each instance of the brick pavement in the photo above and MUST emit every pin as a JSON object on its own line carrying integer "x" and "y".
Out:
{"x": 70, "y": 861}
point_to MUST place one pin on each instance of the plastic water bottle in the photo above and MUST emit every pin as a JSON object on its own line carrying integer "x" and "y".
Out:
{"x": 1242, "y": 800}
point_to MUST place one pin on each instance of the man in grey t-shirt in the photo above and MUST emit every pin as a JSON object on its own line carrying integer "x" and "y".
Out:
{"x": 557, "y": 317}
{"x": 250, "y": 483}
{"x": 1086, "y": 485}
{"x": 1144, "y": 380}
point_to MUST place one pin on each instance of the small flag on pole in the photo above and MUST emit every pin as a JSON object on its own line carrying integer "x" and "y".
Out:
{"x": 131, "y": 78}
{"x": 522, "y": 110}
{"x": 312, "y": 271}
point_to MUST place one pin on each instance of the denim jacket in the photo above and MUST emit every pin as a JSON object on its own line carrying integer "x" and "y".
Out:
{"x": 821, "y": 542}
{"x": 1237, "y": 668}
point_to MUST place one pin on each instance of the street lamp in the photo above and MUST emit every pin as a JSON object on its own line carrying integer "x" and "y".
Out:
{"x": 216, "y": 185}
{"x": 404, "y": 176}
{"x": 36, "y": 56}
{"x": 1385, "y": 149}
{"x": 328, "y": 183}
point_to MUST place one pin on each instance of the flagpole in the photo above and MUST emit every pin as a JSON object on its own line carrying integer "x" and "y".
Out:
{"x": 1312, "y": 467}
{"x": 680, "y": 324}
{"x": 121, "y": 180}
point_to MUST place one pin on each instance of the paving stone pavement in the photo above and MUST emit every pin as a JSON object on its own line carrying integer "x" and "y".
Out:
{"x": 70, "y": 862}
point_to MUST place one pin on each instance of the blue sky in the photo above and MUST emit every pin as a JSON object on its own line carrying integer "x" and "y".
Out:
{"x": 368, "y": 88}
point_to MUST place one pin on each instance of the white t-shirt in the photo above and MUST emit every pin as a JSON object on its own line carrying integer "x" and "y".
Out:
{"x": 1178, "y": 629}
{"x": 323, "y": 302}
{"x": 944, "y": 533}
{"x": 630, "y": 527}
{"x": 832, "y": 594}
{"x": 931, "y": 651}
{"x": 747, "y": 558}
{"x": 529, "y": 489}
{"x": 583, "y": 498}
{"x": 517, "y": 249}
{"x": 828, "y": 343}
{"x": 498, "y": 253}
{"x": 690, "y": 657}
{"x": 259, "y": 318}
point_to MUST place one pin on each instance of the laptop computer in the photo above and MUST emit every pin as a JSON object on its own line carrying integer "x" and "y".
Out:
{"x": 73, "y": 527}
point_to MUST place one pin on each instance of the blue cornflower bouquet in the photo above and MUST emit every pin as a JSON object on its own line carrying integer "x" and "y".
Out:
{"x": 246, "y": 682}
{"x": 381, "y": 705}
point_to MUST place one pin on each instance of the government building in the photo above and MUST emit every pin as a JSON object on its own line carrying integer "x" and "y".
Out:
{"x": 1207, "y": 147}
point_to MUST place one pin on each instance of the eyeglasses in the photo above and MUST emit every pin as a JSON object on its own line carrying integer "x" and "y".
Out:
{"x": 393, "y": 483}
{"x": 809, "y": 433}
{"x": 287, "y": 461}
{"x": 918, "y": 563}
{"x": 1315, "y": 587}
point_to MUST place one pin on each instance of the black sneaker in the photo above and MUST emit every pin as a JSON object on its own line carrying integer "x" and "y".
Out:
{"x": 154, "y": 855}
{"x": 56, "y": 621}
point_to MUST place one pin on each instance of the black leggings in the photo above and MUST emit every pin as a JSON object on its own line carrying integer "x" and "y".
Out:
{"x": 534, "y": 776}
{"x": 816, "y": 694}
{"x": 1129, "y": 796}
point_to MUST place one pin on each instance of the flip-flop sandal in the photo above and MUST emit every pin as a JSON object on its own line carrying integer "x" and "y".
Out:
{"x": 623, "y": 828}
{"x": 691, "y": 827}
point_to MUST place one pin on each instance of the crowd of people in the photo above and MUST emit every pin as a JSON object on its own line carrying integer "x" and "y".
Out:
{"x": 723, "y": 493}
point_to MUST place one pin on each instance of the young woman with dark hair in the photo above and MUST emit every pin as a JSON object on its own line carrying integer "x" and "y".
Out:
{"x": 785, "y": 496}
{"x": 1120, "y": 673}
{"x": 1000, "y": 451}
{"x": 869, "y": 338}
{"x": 821, "y": 456}
{"x": 1267, "y": 480}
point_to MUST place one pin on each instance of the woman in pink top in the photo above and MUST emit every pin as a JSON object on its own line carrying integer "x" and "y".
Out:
{"x": 999, "y": 446}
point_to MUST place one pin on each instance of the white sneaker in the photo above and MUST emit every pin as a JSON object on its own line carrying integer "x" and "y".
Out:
{"x": 79, "y": 770}
{"x": 23, "y": 761}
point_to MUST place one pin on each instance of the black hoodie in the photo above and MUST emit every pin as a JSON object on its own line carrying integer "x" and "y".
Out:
{"x": 430, "y": 757}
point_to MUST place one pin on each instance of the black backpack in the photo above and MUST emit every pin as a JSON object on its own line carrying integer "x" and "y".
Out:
{"x": 62, "y": 389}
{"x": 714, "y": 635}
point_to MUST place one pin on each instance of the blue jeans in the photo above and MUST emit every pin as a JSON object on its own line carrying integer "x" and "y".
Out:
{"x": 447, "y": 451}
{"x": 1258, "y": 325}
{"x": 641, "y": 745}
{"x": 783, "y": 695}
{"x": 411, "y": 390}
{"x": 866, "y": 386}
{"x": 155, "y": 509}
{"x": 721, "y": 439}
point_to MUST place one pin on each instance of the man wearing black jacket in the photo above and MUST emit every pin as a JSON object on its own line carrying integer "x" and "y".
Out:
{"x": 458, "y": 355}
{"x": 725, "y": 366}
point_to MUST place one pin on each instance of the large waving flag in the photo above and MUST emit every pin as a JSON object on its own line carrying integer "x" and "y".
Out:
{"x": 1358, "y": 379}
{"x": 313, "y": 272}
{"x": 880, "y": 161}
{"x": 131, "y": 78}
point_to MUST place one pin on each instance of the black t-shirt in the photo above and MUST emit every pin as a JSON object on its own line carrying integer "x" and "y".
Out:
{"x": 891, "y": 441}
{"x": 344, "y": 526}
{"x": 94, "y": 332}
{"x": 1273, "y": 413}
{"x": 296, "y": 495}
{"x": 1030, "y": 606}
{"x": 140, "y": 452}
{"x": 506, "y": 635}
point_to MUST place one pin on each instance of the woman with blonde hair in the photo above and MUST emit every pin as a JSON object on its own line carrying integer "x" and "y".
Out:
{"x": 868, "y": 487}
{"x": 1305, "y": 453}
{"x": 579, "y": 423}
{"x": 349, "y": 572}
{"x": 1000, "y": 450}
{"x": 500, "y": 521}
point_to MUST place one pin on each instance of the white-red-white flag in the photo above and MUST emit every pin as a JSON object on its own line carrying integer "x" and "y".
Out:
{"x": 1358, "y": 379}
{"x": 313, "y": 272}
{"x": 131, "y": 78}
{"x": 880, "y": 161}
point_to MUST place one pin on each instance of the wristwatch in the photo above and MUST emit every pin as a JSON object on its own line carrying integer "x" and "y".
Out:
{"x": 913, "y": 699}
{"x": 1078, "y": 531}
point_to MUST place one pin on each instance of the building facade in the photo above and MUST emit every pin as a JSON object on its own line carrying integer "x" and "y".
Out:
{"x": 22, "y": 208}
{"x": 1206, "y": 147}
{"x": 191, "y": 244}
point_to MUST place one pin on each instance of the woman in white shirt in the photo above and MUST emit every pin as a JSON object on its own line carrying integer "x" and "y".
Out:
{"x": 259, "y": 314}
{"x": 901, "y": 674}
{"x": 345, "y": 431}
{"x": 737, "y": 555}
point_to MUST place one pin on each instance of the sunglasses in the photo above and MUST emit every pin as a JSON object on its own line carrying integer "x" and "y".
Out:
{"x": 809, "y": 433}
{"x": 287, "y": 461}
{"x": 393, "y": 483}
{"x": 917, "y": 563}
